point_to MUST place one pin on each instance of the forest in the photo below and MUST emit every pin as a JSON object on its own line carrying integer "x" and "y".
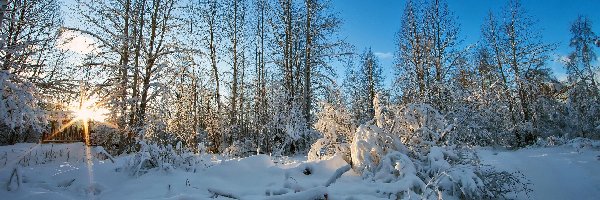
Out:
{"x": 166, "y": 81}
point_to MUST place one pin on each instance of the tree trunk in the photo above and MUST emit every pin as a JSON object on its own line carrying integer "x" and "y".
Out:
{"x": 308, "y": 63}
{"x": 123, "y": 64}
{"x": 234, "y": 85}
{"x": 3, "y": 5}
{"x": 213, "y": 61}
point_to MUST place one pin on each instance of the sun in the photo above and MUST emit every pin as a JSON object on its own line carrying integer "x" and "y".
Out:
{"x": 94, "y": 114}
{"x": 89, "y": 110}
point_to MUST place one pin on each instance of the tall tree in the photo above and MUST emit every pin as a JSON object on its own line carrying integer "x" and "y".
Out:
{"x": 583, "y": 97}
{"x": 427, "y": 52}
{"x": 526, "y": 54}
{"x": 114, "y": 34}
{"x": 492, "y": 40}
{"x": 212, "y": 17}
{"x": 260, "y": 96}
{"x": 236, "y": 32}
{"x": 412, "y": 74}
{"x": 580, "y": 65}
{"x": 516, "y": 54}
{"x": 441, "y": 32}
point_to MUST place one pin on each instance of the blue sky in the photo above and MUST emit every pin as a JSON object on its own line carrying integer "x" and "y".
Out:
{"x": 374, "y": 23}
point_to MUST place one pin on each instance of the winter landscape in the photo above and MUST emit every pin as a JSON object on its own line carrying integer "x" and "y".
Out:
{"x": 299, "y": 99}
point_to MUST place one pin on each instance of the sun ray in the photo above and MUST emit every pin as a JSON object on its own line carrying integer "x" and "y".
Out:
{"x": 88, "y": 153}
{"x": 62, "y": 128}
{"x": 89, "y": 110}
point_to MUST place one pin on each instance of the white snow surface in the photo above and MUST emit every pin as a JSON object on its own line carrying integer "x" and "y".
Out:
{"x": 72, "y": 171}
{"x": 560, "y": 172}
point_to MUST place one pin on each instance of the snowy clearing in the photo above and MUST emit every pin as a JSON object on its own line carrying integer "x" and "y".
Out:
{"x": 62, "y": 171}
{"x": 563, "y": 172}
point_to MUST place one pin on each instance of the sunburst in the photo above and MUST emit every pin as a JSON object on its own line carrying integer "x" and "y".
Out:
{"x": 90, "y": 110}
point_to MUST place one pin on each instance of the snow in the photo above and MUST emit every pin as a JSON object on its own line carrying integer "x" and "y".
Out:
{"x": 72, "y": 171}
{"x": 560, "y": 172}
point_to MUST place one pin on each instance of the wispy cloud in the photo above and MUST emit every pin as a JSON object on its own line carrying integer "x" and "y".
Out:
{"x": 384, "y": 55}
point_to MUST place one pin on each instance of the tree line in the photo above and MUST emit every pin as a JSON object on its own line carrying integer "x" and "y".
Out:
{"x": 231, "y": 76}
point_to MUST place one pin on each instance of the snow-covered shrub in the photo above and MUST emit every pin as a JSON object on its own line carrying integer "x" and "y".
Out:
{"x": 551, "y": 141}
{"x": 21, "y": 119}
{"x": 480, "y": 123}
{"x": 334, "y": 124}
{"x": 318, "y": 149}
{"x": 396, "y": 166}
{"x": 163, "y": 158}
{"x": 436, "y": 160}
{"x": 583, "y": 110}
{"x": 369, "y": 144}
{"x": 324, "y": 149}
{"x": 290, "y": 133}
{"x": 416, "y": 125}
{"x": 452, "y": 172}
{"x": 421, "y": 125}
{"x": 382, "y": 158}
{"x": 580, "y": 142}
{"x": 502, "y": 184}
{"x": 406, "y": 148}
{"x": 295, "y": 126}
{"x": 397, "y": 174}
{"x": 240, "y": 149}
{"x": 550, "y": 116}
{"x": 461, "y": 181}
{"x": 107, "y": 137}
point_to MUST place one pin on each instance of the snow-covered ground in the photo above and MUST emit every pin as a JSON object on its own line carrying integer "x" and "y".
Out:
{"x": 72, "y": 171}
{"x": 561, "y": 172}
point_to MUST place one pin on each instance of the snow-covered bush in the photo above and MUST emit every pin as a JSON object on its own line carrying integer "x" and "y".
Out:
{"x": 406, "y": 148}
{"x": 370, "y": 143}
{"x": 583, "y": 110}
{"x": 397, "y": 166}
{"x": 324, "y": 149}
{"x": 240, "y": 149}
{"x": 21, "y": 119}
{"x": 577, "y": 143}
{"x": 480, "y": 123}
{"x": 436, "y": 175}
{"x": 458, "y": 181}
{"x": 334, "y": 124}
{"x": 502, "y": 184}
{"x": 420, "y": 125}
{"x": 106, "y": 136}
{"x": 290, "y": 134}
{"x": 550, "y": 141}
{"x": 163, "y": 158}
{"x": 381, "y": 157}
{"x": 436, "y": 160}
{"x": 416, "y": 125}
